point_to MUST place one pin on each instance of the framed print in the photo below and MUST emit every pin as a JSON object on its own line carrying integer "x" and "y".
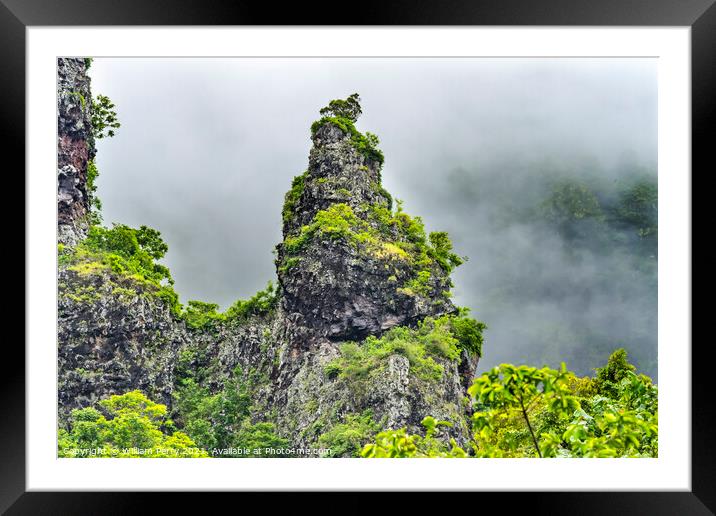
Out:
{"x": 436, "y": 237}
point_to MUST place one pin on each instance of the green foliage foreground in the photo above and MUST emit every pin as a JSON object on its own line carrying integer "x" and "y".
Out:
{"x": 523, "y": 411}
{"x": 125, "y": 426}
{"x": 131, "y": 425}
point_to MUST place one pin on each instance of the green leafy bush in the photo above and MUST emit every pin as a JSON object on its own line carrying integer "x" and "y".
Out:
{"x": 441, "y": 251}
{"x": 468, "y": 332}
{"x": 609, "y": 378}
{"x": 397, "y": 444}
{"x": 128, "y": 425}
{"x": 261, "y": 303}
{"x": 293, "y": 196}
{"x": 203, "y": 315}
{"x": 222, "y": 420}
{"x": 104, "y": 117}
{"x": 509, "y": 388}
{"x": 346, "y": 439}
{"x": 199, "y": 314}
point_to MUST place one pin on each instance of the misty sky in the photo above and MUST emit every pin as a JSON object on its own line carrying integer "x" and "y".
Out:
{"x": 208, "y": 148}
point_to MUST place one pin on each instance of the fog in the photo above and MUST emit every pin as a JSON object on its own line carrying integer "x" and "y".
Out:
{"x": 208, "y": 147}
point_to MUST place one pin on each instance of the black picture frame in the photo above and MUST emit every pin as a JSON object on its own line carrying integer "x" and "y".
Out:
{"x": 700, "y": 15}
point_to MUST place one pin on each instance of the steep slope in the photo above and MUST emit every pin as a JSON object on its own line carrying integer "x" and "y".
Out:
{"x": 361, "y": 325}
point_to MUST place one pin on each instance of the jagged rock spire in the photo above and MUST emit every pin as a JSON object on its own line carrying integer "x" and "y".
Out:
{"x": 75, "y": 148}
{"x": 350, "y": 264}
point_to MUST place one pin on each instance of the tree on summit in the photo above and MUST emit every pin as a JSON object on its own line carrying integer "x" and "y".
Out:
{"x": 348, "y": 108}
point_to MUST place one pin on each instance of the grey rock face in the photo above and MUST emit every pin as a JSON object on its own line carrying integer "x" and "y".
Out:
{"x": 391, "y": 389}
{"x": 113, "y": 338}
{"x": 75, "y": 147}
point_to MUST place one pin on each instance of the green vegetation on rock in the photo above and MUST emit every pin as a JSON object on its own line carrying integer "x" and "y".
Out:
{"x": 382, "y": 234}
{"x": 346, "y": 439}
{"x": 517, "y": 411}
{"x": 433, "y": 340}
{"x": 292, "y": 196}
{"x": 202, "y": 315}
{"x": 130, "y": 255}
{"x": 127, "y": 253}
{"x": 343, "y": 114}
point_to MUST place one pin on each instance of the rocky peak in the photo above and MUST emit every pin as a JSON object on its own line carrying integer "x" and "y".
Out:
{"x": 350, "y": 264}
{"x": 75, "y": 149}
{"x": 337, "y": 173}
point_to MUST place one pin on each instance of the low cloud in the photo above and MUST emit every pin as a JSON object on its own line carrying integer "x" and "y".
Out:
{"x": 208, "y": 147}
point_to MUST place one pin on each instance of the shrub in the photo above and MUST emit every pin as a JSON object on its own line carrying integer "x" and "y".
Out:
{"x": 397, "y": 444}
{"x": 441, "y": 251}
{"x": 203, "y": 315}
{"x": 199, "y": 314}
{"x": 95, "y": 202}
{"x": 346, "y": 439}
{"x": 104, "y": 117}
{"x": 222, "y": 420}
{"x": 292, "y": 196}
{"x": 134, "y": 426}
{"x": 468, "y": 332}
{"x": 261, "y": 303}
{"x": 609, "y": 377}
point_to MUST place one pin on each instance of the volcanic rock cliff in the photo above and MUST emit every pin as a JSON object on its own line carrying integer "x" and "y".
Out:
{"x": 361, "y": 320}
{"x": 75, "y": 149}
